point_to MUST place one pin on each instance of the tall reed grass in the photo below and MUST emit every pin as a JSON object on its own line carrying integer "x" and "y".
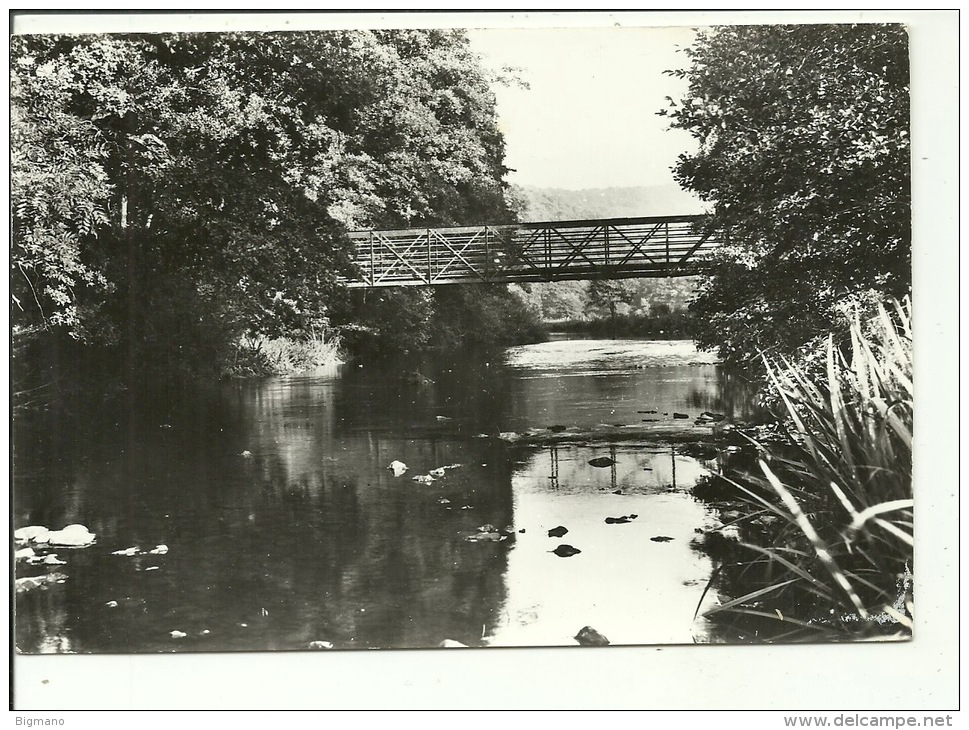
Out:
{"x": 839, "y": 561}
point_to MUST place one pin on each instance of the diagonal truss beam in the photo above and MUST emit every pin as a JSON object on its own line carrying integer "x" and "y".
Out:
{"x": 576, "y": 250}
{"x": 458, "y": 254}
{"x": 703, "y": 239}
{"x": 518, "y": 252}
{"x": 638, "y": 246}
{"x": 385, "y": 243}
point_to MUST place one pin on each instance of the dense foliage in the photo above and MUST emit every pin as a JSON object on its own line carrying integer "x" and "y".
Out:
{"x": 175, "y": 193}
{"x": 804, "y": 155}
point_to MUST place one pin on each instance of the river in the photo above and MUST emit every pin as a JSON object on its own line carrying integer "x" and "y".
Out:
{"x": 263, "y": 515}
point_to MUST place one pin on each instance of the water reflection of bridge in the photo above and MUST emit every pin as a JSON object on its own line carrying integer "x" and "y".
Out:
{"x": 613, "y": 248}
{"x": 553, "y": 477}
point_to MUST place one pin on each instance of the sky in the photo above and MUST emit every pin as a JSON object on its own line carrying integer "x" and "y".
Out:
{"x": 588, "y": 118}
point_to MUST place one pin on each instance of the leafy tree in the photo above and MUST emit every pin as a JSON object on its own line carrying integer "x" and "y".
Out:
{"x": 172, "y": 192}
{"x": 608, "y": 294}
{"x": 561, "y": 299}
{"x": 59, "y": 195}
{"x": 804, "y": 154}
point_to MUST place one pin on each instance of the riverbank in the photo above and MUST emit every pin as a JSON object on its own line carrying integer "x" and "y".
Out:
{"x": 671, "y": 326}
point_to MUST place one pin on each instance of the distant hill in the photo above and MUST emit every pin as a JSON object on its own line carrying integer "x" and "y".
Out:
{"x": 554, "y": 204}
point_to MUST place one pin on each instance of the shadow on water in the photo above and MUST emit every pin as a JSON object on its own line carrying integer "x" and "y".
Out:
{"x": 282, "y": 524}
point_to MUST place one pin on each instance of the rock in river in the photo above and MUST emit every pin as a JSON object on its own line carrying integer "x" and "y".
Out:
{"x": 485, "y": 537}
{"x": 72, "y": 536}
{"x": 566, "y": 551}
{"x": 557, "y": 531}
{"x": 320, "y": 645}
{"x": 619, "y": 520}
{"x": 397, "y": 467}
{"x": 601, "y": 461}
{"x": 452, "y": 644}
{"x": 32, "y": 533}
{"x": 588, "y": 636}
{"x": 38, "y": 581}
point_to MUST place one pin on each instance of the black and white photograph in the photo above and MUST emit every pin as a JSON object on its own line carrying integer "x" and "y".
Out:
{"x": 465, "y": 332}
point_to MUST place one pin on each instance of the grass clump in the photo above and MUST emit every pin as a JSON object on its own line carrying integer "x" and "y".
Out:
{"x": 259, "y": 355}
{"x": 838, "y": 562}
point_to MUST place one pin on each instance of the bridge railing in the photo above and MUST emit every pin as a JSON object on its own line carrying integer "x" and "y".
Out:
{"x": 581, "y": 249}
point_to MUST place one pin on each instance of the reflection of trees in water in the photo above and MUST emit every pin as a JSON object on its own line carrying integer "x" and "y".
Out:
{"x": 369, "y": 559}
{"x": 43, "y": 623}
{"x": 472, "y": 392}
{"x": 732, "y": 394}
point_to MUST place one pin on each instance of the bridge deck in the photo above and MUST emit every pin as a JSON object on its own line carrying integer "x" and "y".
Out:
{"x": 582, "y": 249}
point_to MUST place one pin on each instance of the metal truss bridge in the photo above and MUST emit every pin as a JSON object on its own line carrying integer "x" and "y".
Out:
{"x": 613, "y": 248}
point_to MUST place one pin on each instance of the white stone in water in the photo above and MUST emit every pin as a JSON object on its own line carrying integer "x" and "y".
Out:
{"x": 38, "y": 581}
{"x": 72, "y": 536}
{"x": 111, "y": 604}
{"x": 53, "y": 560}
{"x": 127, "y": 551}
{"x": 320, "y": 645}
{"x": 24, "y": 553}
{"x": 32, "y": 533}
{"x": 452, "y": 644}
{"x": 397, "y": 467}
{"x": 159, "y": 550}
{"x": 177, "y": 634}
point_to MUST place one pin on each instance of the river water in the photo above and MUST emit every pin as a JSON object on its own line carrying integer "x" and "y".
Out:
{"x": 282, "y": 524}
